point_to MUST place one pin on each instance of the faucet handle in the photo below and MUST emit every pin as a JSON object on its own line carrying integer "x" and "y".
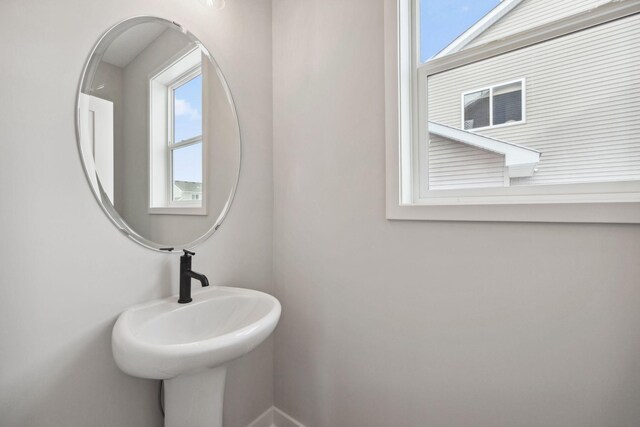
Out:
{"x": 188, "y": 253}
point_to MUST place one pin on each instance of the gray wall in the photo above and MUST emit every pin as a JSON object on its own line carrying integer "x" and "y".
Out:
{"x": 66, "y": 273}
{"x": 405, "y": 324}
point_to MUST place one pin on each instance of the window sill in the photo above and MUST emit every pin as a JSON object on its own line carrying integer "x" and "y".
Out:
{"x": 178, "y": 210}
{"x": 617, "y": 213}
{"x": 500, "y": 126}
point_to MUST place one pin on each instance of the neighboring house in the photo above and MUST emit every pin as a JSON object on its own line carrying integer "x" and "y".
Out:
{"x": 185, "y": 190}
{"x": 563, "y": 111}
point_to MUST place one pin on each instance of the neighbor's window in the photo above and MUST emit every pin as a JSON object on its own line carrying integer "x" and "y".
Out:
{"x": 568, "y": 74}
{"x": 493, "y": 106}
{"x": 176, "y": 137}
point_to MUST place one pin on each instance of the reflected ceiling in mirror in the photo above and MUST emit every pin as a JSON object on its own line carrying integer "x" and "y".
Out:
{"x": 158, "y": 133}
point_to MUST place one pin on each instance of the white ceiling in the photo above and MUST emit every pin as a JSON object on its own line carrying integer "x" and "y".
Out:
{"x": 129, "y": 44}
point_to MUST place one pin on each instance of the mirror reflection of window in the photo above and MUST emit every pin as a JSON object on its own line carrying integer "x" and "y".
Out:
{"x": 186, "y": 142}
{"x": 187, "y": 110}
{"x": 177, "y": 142}
{"x": 164, "y": 175}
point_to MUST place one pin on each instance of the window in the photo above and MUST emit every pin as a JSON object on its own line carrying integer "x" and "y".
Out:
{"x": 185, "y": 144}
{"x": 493, "y": 106}
{"x": 514, "y": 103}
{"x": 177, "y": 146}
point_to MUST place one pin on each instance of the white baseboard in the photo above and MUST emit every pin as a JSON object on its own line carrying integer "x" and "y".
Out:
{"x": 280, "y": 419}
{"x": 274, "y": 417}
{"x": 264, "y": 420}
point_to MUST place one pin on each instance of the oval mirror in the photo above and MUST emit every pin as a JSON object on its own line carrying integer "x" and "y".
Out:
{"x": 158, "y": 133}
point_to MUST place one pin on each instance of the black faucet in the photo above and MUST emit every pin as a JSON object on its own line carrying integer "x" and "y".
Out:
{"x": 186, "y": 274}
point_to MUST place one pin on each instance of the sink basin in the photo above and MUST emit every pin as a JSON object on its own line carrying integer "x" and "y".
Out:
{"x": 187, "y": 346}
{"x": 163, "y": 339}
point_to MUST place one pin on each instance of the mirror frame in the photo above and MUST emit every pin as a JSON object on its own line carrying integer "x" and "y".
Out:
{"x": 86, "y": 79}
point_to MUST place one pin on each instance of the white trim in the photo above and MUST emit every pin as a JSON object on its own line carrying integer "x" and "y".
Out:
{"x": 479, "y": 27}
{"x": 281, "y": 419}
{"x": 520, "y": 161}
{"x": 419, "y": 112}
{"x": 96, "y": 118}
{"x": 274, "y": 417}
{"x": 491, "y": 88}
{"x": 177, "y": 210}
{"x": 397, "y": 127}
{"x": 186, "y": 142}
{"x": 264, "y": 420}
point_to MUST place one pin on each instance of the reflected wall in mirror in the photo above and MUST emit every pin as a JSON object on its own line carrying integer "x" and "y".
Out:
{"x": 158, "y": 133}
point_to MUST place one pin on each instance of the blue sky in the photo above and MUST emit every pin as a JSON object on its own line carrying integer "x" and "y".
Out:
{"x": 442, "y": 21}
{"x": 188, "y": 110}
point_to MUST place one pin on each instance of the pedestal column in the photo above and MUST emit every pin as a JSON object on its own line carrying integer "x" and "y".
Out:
{"x": 195, "y": 400}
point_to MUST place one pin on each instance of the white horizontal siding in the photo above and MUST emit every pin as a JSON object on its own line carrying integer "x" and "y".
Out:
{"x": 582, "y": 104}
{"x": 453, "y": 165}
{"x": 533, "y": 13}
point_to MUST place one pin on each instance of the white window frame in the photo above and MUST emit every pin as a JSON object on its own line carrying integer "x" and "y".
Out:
{"x": 174, "y": 145}
{"x": 491, "y": 88}
{"x": 175, "y": 72}
{"x": 406, "y": 156}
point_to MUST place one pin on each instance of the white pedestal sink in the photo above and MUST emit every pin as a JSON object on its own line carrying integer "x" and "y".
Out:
{"x": 187, "y": 345}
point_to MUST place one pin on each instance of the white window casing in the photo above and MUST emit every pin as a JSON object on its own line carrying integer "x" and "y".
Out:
{"x": 407, "y": 95}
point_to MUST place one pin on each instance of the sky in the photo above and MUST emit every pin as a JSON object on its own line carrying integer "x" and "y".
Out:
{"x": 442, "y": 21}
{"x": 187, "y": 161}
{"x": 188, "y": 110}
